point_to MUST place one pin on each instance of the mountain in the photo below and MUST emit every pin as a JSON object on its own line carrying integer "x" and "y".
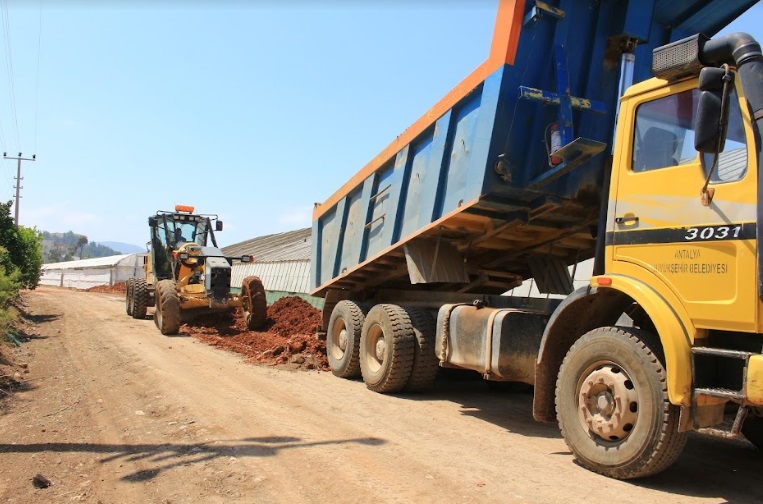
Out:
{"x": 124, "y": 248}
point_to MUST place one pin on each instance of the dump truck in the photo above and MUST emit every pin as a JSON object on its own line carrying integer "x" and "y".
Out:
{"x": 616, "y": 131}
{"x": 185, "y": 276}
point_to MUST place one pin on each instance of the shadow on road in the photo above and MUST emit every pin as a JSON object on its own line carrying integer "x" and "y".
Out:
{"x": 709, "y": 467}
{"x": 167, "y": 456}
{"x": 713, "y": 468}
{"x": 508, "y": 409}
{"x": 40, "y": 318}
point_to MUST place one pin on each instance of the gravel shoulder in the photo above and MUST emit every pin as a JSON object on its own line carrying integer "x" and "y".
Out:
{"x": 111, "y": 411}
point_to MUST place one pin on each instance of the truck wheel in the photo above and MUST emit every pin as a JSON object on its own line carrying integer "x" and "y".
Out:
{"x": 128, "y": 295}
{"x": 386, "y": 348}
{"x": 253, "y": 302}
{"x": 140, "y": 298}
{"x": 343, "y": 338}
{"x": 425, "y": 361}
{"x": 612, "y": 404}
{"x": 753, "y": 430}
{"x": 167, "y": 314}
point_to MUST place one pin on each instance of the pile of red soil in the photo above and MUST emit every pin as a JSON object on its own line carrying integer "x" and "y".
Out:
{"x": 287, "y": 339}
{"x": 117, "y": 288}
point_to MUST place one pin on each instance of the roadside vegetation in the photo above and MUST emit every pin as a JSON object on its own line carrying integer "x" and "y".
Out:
{"x": 20, "y": 268}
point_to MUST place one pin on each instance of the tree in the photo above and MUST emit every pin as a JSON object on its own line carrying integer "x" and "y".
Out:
{"x": 81, "y": 242}
{"x": 22, "y": 250}
{"x": 30, "y": 265}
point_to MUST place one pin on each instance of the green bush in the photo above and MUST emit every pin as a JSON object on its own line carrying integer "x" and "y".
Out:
{"x": 10, "y": 285}
{"x": 20, "y": 262}
{"x": 30, "y": 260}
{"x": 23, "y": 249}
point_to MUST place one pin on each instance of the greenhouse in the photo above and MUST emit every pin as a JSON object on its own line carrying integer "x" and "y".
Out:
{"x": 87, "y": 273}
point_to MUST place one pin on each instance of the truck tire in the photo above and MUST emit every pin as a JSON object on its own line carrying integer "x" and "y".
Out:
{"x": 343, "y": 338}
{"x": 167, "y": 314}
{"x": 753, "y": 430}
{"x": 612, "y": 404}
{"x": 253, "y": 303}
{"x": 128, "y": 295}
{"x": 425, "y": 361}
{"x": 140, "y": 299}
{"x": 386, "y": 348}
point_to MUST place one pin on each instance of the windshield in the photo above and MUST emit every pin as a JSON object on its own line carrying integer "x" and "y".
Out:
{"x": 189, "y": 232}
{"x": 184, "y": 230}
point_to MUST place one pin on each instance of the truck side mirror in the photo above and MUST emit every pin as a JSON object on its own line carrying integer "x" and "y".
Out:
{"x": 712, "y": 116}
{"x": 218, "y": 225}
{"x": 152, "y": 222}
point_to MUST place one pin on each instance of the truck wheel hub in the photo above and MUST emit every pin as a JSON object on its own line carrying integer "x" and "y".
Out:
{"x": 381, "y": 349}
{"x": 342, "y": 340}
{"x": 608, "y": 406}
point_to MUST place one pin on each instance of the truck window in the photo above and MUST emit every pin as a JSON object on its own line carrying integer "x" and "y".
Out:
{"x": 664, "y": 134}
{"x": 664, "y": 137}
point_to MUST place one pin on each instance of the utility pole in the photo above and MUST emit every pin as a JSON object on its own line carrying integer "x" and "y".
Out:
{"x": 18, "y": 179}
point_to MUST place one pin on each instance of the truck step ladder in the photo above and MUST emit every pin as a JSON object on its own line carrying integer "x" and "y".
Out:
{"x": 728, "y": 430}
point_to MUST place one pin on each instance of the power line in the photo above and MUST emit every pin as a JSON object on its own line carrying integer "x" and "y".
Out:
{"x": 9, "y": 66}
{"x": 37, "y": 82}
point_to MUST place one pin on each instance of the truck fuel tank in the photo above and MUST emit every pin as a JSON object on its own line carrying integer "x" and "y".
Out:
{"x": 500, "y": 343}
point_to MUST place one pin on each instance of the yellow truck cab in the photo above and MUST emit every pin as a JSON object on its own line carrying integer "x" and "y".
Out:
{"x": 680, "y": 274}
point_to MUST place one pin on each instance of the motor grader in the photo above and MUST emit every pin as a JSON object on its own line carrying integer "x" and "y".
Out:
{"x": 185, "y": 277}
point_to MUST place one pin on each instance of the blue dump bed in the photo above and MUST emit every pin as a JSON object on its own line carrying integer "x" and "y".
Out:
{"x": 468, "y": 198}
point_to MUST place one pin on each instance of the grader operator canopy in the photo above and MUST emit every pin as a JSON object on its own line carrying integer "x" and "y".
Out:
{"x": 186, "y": 275}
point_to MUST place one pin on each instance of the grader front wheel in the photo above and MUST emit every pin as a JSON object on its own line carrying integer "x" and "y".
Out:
{"x": 128, "y": 295}
{"x": 167, "y": 314}
{"x": 253, "y": 303}
{"x": 139, "y": 298}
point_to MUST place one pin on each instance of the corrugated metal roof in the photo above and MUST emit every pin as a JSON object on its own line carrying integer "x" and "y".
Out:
{"x": 288, "y": 246}
{"x": 288, "y": 276}
{"x": 95, "y": 262}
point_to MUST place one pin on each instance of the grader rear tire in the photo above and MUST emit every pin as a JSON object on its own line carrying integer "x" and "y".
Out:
{"x": 425, "y": 362}
{"x": 612, "y": 404}
{"x": 167, "y": 314}
{"x": 386, "y": 348}
{"x": 343, "y": 338}
{"x": 253, "y": 303}
{"x": 140, "y": 299}
{"x": 128, "y": 295}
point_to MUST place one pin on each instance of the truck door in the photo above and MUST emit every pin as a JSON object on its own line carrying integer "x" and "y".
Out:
{"x": 704, "y": 254}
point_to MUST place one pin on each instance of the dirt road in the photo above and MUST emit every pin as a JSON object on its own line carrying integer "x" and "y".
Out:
{"x": 117, "y": 413}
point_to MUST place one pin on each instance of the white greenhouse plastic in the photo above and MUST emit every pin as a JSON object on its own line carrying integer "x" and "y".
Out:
{"x": 87, "y": 273}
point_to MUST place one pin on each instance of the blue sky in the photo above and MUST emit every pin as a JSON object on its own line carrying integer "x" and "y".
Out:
{"x": 249, "y": 110}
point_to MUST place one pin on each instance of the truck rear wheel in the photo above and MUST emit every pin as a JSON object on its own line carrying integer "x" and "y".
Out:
{"x": 254, "y": 303}
{"x": 140, "y": 299}
{"x": 753, "y": 430}
{"x": 128, "y": 295}
{"x": 425, "y": 362}
{"x": 612, "y": 404}
{"x": 343, "y": 338}
{"x": 386, "y": 348}
{"x": 167, "y": 314}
